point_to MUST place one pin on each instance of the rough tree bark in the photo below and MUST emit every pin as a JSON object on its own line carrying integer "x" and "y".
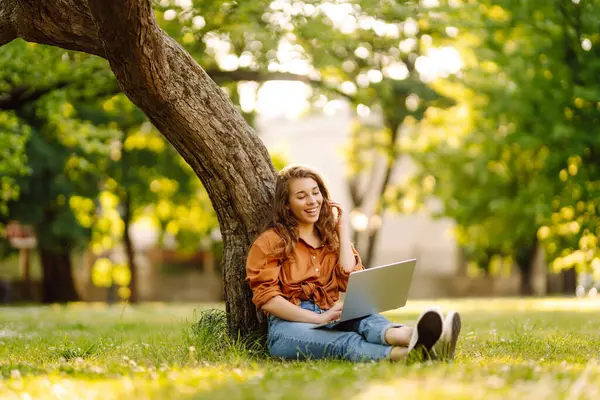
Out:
{"x": 184, "y": 104}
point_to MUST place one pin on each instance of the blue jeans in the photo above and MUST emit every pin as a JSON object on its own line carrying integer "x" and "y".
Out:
{"x": 361, "y": 339}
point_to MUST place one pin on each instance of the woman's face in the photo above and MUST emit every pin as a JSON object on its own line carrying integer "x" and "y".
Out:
{"x": 305, "y": 200}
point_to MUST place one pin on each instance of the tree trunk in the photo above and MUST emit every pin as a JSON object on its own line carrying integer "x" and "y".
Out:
{"x": 129, "y": 249}
{"x": 393, "y": 126}
{"x": 184, "y": 104}
{"x": 371, "y": 244}
{"x": 127, "y": 216}
{"x": 525, "y": 288}
{"x": 569, "y": 281}
{"x": 58, "y": 285}
{"x": 374, "y": 232}
{"x": 25, "y": 272}
{"x": 525, "y": 257}
{"x": 461, "y": 261}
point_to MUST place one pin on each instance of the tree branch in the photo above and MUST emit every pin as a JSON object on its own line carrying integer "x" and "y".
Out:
{"x": 135, "y": 46}
{"x": 19, "y": 96}
{"x": 238, "y": 75}
{"x": 69, "y": 24}
{"x": 63, "y": 23}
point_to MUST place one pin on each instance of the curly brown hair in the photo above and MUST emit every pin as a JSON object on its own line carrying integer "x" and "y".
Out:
{"x": 284, "y": 222}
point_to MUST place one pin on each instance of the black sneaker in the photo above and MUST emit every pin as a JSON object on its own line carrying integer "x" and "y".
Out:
{"x": 426, "y": 333}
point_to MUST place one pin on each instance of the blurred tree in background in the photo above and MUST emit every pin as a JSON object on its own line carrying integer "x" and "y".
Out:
{"x": 145, "y": 178}
{"x": 371, "y": 59}
{"x": 12, "y": 160}
{"x": 63, "y": 152}
{"x": 513, "y": 163}
{"x": 94, "y": 163}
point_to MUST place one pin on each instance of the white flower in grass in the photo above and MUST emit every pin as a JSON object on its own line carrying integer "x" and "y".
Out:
{"x": 96, "y": 369}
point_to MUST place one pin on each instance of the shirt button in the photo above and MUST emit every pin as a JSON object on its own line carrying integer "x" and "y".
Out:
{"x": 316, "y": 269}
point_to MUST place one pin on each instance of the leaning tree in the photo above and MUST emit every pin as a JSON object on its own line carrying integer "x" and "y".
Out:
{"x": 184, "y": 104}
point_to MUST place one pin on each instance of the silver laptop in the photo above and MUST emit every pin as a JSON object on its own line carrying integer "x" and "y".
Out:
{"x": 375, "y": 290}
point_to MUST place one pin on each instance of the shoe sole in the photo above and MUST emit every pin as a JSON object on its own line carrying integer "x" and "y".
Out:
{"x": 456, "y": 325}
{"x": 429, "y": 330}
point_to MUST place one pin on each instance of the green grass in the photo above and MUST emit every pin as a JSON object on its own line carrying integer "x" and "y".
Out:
{"x": 511, "y": 348}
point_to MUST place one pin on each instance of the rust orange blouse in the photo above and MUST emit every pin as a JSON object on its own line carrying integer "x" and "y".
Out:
{"x": 313, "y": 273}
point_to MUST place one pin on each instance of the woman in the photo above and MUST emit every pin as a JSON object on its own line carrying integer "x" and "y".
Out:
{"x": 297, "y": 269}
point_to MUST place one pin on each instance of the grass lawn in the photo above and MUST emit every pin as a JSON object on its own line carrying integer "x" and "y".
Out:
{"x": 510, "y": 348}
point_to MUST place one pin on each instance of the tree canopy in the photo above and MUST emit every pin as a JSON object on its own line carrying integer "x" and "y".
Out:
{"x": 513, "y": 162}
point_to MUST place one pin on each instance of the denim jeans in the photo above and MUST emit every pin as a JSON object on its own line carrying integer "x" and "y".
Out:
{"x": 361, "y": 339}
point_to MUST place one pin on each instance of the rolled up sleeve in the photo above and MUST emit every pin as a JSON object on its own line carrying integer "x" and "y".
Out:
{"x": 343, "y": 276}
{"x": 262, "y": 272}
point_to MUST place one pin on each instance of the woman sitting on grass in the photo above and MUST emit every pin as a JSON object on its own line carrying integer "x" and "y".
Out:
{"x": 297, "y": 269}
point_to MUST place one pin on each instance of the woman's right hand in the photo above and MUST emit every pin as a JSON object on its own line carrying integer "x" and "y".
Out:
{"x": 339, "y": 214}
{"x": 332, "y": 314}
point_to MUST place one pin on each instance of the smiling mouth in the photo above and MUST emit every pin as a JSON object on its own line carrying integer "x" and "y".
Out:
{"x": 312, "y": 211}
